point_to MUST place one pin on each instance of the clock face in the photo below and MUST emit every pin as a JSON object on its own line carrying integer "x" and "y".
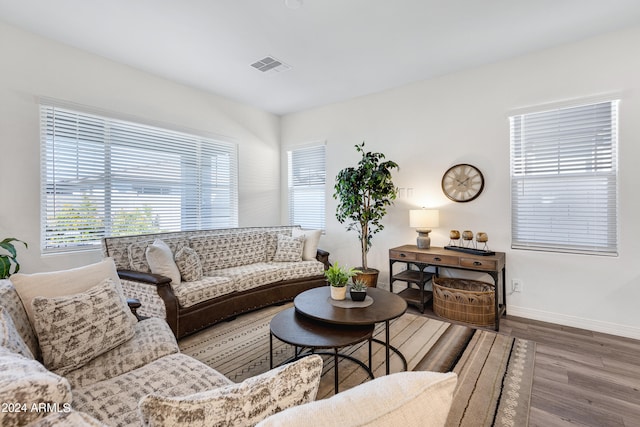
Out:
{"x": 462, "y": 183}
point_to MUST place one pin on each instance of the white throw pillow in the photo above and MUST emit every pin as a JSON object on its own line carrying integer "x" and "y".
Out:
{"x": 289, "y": 249}
{"x": 74, "y": 329}
{"x": 64, "y": 282}
{"x": 407, "y": 399}
{"x": 239, "y": 405}
{"x": 160, "y": 259}
{"x": 312, "y": 238}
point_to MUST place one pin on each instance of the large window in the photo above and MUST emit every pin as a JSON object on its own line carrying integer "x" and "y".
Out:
{"x": 107, "y": 177}
{"x": 307, "y": 176}
{"x": 564, "y": 179}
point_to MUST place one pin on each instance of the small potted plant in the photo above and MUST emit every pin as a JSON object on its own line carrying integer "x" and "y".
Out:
{"x": 358, "y": 290}
{"x": 10, "y": 257}
{"x": 338, "y": 277}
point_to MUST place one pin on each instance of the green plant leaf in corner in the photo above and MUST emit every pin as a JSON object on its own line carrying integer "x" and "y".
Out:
{"x": 6, "y": 260}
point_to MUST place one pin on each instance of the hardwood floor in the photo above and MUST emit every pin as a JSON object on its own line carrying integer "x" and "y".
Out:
{"x": 581, "y": 378}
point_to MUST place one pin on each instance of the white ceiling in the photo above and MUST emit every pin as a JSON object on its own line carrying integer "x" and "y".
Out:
{"x": 338, "y": 49}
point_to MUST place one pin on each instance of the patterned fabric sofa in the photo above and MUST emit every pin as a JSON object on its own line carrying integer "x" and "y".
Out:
{"x": 218, "y": 274}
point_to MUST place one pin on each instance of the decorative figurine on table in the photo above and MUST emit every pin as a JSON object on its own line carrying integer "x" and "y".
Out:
{"x": 454, "y": 237}
{"x": 467, "y": 236}
{"x": 482, "y": 237}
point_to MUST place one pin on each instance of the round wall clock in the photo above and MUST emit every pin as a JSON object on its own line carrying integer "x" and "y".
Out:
{"x": 462, "y": 183}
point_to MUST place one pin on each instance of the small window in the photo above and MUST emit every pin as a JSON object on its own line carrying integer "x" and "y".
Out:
{"x": 307, "y": 177}
{"x": 107, "y": 177}
{"x": 564, "y": 179}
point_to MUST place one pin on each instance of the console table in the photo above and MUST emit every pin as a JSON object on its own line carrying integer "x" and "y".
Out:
{"x": 493, "y": 265}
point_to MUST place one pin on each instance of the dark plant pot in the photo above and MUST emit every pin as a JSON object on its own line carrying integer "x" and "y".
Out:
{"x": 368, "y": 276}
{"x": 358, "y": 295}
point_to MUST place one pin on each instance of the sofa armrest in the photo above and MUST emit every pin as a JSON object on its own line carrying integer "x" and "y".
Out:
{"x": 134, "y": 304}
{"x": 323, "y": 257}
{"x": 138, "y": 276}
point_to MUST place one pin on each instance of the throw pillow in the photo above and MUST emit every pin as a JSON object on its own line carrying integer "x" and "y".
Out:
{"x": 25, "y": 382}
{"x": 136, "y": 252}
{"x": 74, "y": 329}
{"x": 311, "y": 240}
{"x": 160, "y": 259}
{"x": 64, "y": 282}
{"x": 289, "y": 249}
{"x": 402, "y": 399}
{"x": 189, "y": 264}
{"x": 243, "y": 404}
{"x": 9, "y": 336}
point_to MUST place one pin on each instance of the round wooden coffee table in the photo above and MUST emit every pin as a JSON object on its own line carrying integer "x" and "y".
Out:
{"x": 315, "y": 304}
{"x": 302, "y": 332}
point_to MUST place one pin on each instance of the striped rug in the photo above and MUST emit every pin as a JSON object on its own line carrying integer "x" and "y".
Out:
{"x": 495, "y": 372}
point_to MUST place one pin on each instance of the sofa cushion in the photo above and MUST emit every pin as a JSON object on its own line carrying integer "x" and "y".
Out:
{"x": 289, "y": 249}
{"x": 299, "y": 270}
{"x": 11, "y": 302}
{"x": 74, "y": 329}
{"x": 68, "y": 419}
{"x": 407, "y": 399}
{"x": 160, "y": 260}
{"x": 251, "y": 276}
{"x": 229, "y": 250}
{"x": 192, "y": 293}
{"x": 189, "y": 264}
{"x": 153, "y": 339}
{"x": 59, "y": 283}
{"x": 311, "y": 241}
{"x": 9, "y": 336}
{"x": 115, "y": 401}
{"x": 243, "y": 404}
{"x": 25, "y": 382}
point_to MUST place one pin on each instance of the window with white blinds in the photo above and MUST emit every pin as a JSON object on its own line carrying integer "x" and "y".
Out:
{"x": 564, "y": 179}
{"x": 307, "y": 176}
{"x": 108, "y": 177}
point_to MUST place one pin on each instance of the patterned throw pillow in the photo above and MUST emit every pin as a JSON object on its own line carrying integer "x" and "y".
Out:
{"x": 25, "y": 383}
{"x": 311, "y": 240}
{"x": 160, "y": 259}
{"x": 9, "y": 336}
{"x": 289, "y": 249}
{"x": 243, "y": 404}
{"x": 189, "y": 264}
{"x": 74, "y": 329}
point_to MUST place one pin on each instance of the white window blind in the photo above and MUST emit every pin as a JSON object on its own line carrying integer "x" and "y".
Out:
{"x": 564, "y": 179}
{"x": 107, "y": 177}
{"x": 307, "y": 176}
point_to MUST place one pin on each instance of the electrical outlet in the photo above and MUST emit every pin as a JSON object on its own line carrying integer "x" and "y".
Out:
{"x": 516, "y": 285}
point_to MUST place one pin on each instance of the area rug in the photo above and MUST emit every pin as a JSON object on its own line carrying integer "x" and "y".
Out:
{"x": 495, "y": 371}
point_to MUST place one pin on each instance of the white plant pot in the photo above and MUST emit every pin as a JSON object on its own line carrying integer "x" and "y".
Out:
{"x": 338, "y": 293}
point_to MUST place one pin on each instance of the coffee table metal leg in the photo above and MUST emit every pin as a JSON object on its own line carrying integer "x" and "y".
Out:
{"x": 270, "y": 351}
{"x": 335, "y": 370}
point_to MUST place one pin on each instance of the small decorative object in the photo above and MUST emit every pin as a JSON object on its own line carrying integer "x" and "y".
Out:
{"x": 467, "y": 236}
{"x": 7, "y": 260}
{"x": 462, "y": 183}
{"x": 338, "y": 277}
{"x": 454, "y": 237}
{"x": 423, "y": 220}
{"x": 482, "y": 237}
{"x": 358, "y": 290}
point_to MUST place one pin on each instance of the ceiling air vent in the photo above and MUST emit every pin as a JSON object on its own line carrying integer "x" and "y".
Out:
{"x": 269, "y": 64}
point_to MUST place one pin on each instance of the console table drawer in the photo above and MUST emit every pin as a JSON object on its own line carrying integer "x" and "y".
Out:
{"x": 437, "y": 259}
{"x": 479, "y": 264}
{"x": 402, "y": 256}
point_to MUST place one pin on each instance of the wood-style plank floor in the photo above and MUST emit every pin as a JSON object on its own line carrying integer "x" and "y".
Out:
{"x": 581, "y": 378}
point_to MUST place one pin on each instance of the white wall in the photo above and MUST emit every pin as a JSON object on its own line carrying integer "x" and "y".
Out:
{"x": 31, "y": 67}
{"x": 429, "y": 126}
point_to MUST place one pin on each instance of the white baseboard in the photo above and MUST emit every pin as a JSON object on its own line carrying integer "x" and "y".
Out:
{"x": 576, "y": 322}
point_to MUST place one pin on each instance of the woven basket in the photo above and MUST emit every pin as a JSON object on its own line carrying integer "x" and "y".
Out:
{"x": 463, "y": 300}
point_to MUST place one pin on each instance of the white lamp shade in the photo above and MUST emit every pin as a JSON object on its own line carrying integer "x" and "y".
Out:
{"x": 424, "y": 218}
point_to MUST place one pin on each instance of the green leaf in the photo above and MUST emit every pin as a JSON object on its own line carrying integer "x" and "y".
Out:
{"x": 5, "y": 266}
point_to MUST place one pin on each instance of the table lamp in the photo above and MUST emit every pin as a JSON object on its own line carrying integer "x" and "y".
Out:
{"x": 423, "y": 220}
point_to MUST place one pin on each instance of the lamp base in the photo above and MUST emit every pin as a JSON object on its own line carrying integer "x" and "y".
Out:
{"x": 423, "y": 241}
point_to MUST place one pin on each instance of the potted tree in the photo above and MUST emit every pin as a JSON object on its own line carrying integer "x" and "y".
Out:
{"x": 363, "y": 193}
{"x": 6, "y": 259}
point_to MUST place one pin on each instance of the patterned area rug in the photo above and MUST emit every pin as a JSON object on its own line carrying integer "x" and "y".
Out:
{"x": 495, "y": 372}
